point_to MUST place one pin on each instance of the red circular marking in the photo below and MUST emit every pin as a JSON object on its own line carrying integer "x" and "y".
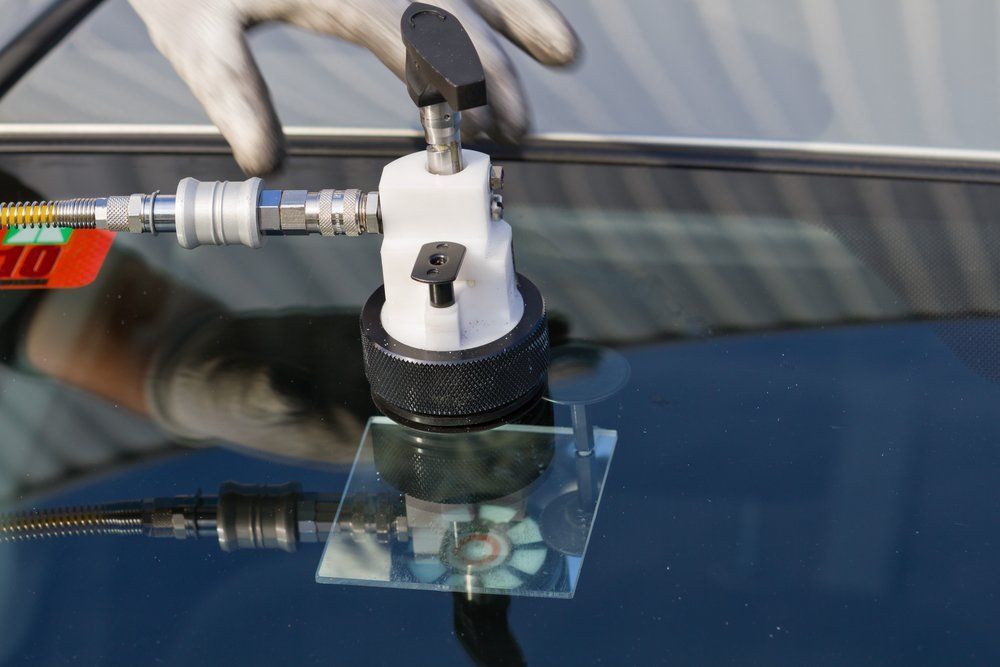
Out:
{"x": 478, "y": 537}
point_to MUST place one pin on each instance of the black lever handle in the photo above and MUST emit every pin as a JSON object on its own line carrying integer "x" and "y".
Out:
{"x": 442, "y": 64}
{"x": 437, "y": 265}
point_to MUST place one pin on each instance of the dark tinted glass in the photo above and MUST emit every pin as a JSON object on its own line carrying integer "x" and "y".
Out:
{"x": 807, "y": 450}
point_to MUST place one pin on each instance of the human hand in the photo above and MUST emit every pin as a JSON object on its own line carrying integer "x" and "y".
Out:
{"x": 204, "y": 41}
{"x": 288, "y": 384}
{"x": 291, "y": 384}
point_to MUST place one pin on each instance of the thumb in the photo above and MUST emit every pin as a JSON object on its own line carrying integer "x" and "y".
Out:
{"x": 207, "y": 48}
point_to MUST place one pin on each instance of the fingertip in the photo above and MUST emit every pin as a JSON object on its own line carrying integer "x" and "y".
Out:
{"x": 508, "y": 109}
{"x": 536, "y": 26}
{"x": 215, "y": 62}
{"x": 560, "y": 46}
{"x": 245, "y": 115}
{"x": 509, "y": 130}
{"x": 261, "y": 158}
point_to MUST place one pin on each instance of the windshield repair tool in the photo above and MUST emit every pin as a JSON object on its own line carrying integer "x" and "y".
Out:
{"x": 455, "y": 339}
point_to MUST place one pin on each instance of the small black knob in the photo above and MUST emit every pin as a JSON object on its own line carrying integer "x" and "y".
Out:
{"x": 441, "y": 62}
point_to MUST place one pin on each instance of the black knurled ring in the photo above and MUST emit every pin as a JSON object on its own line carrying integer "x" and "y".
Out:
{"x": 467, "y": 389}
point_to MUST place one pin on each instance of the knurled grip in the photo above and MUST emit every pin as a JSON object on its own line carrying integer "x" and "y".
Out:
{"x": 351, "y": 218}
{"x": 162, "y": 519}
{"x": 117, "y": 214}
{"x": 325, "y": 221}
{"x": 467, "y": 388}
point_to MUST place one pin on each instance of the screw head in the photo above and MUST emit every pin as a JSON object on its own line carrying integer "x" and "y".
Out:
{"x": 496, "y": 207}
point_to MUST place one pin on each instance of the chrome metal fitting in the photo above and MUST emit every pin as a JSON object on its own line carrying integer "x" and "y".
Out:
{"x": 101, "y": 213}
{"x": 159, "y": 213}
{"x": 116, "y": 211}
{"x": 210, "y": 213}
{"x": 181, "y": 517}
{"x": 444, "y": 140}
{"x": 371, "y": 214}
{"x": 136, "y": 213}
{"x": 324, "y": 212}
{"x": 342, "y": 212}
{"x": 268, "y": 216}
{"x": 136, "y": 207}
{"x": 350, "y": 212}
{"x": 292, "y": 211}
{"x": 257, "y": 517}
{"x": 496, "y": 178}
{"x": 315, "y": 515}
{"x": 376, "y": 514}
{"x": 218, "y": 213}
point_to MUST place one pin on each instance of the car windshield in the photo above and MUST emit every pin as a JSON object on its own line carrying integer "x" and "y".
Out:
{"x": 805, "y": 444}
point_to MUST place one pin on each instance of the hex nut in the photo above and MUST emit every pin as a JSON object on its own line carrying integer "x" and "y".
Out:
{"x": 371, "y": 215}
{"x": 135, "y": 206}
{"x": 268, "y": 211}
{"x": 496, "y": 178}
{"x": 292, "y": 211}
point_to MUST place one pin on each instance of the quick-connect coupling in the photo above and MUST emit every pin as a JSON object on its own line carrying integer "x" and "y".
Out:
{"x": 326, "y": 212}
{"x": 242, "y": 213}
{"x": 209, "y": 213}
{"x": 217, "y": 213}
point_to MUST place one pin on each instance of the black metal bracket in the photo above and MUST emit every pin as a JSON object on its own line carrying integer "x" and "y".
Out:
{"x": 437, "y": 266}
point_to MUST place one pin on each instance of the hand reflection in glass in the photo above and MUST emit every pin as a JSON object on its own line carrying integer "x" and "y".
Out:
{"x": 288, "y": 384}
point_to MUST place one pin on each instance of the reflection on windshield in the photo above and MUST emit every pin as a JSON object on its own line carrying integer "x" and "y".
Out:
{"x": 504, "y": 511}
{"x": 245, "y": 516}
{"x": 808, "y": 435}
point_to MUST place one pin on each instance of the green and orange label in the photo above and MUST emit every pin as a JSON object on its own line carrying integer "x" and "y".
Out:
{"x": 52, "y": 258}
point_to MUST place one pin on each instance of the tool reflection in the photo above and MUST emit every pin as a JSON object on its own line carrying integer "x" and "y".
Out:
{"x": 241, "y": 516}
{"x": 249, "y": 516}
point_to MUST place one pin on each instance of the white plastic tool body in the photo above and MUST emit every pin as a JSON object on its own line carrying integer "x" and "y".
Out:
{"x": 419, "y": 207}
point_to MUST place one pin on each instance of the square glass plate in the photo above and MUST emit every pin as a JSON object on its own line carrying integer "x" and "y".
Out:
{"x": 508, "y": 511}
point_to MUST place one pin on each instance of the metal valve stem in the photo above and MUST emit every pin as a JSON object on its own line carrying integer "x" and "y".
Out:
{"x": 444, "y": 138}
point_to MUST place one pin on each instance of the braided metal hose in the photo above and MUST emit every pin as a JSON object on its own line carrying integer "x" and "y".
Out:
{"x": 118, "y": 519}
{"x": 67, "y": 213}
{"x": 242, "y": 516}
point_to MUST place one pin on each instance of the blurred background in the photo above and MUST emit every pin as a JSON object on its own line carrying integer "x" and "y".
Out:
{"x": 922, "y": 73}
